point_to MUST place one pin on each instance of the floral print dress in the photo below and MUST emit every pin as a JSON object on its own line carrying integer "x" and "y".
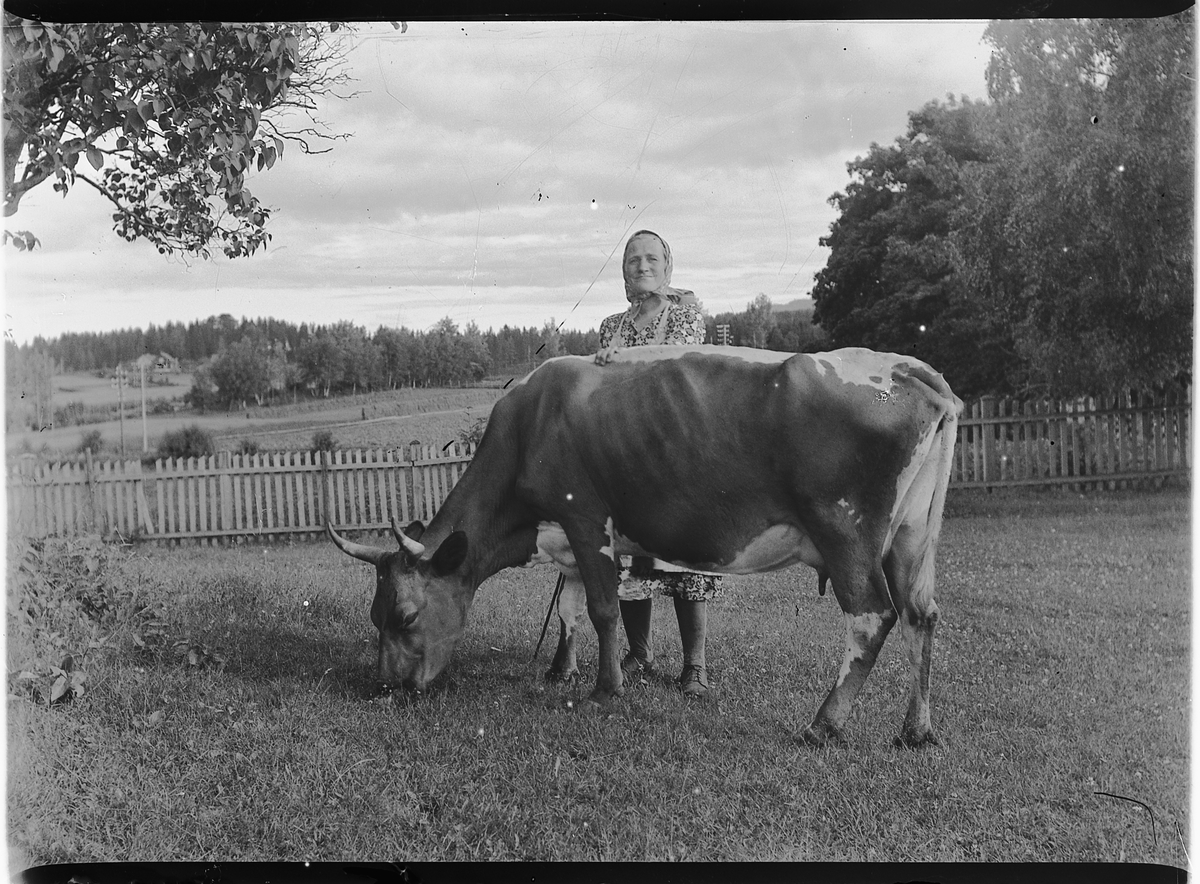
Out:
{"x": 677, "y": 324}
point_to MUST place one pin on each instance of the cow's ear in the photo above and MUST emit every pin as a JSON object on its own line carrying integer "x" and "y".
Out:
{"x": 450, "y": 554}
{"x": 415, "y": 529}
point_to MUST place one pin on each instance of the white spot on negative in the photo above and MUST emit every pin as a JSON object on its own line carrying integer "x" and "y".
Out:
{"x": 843, "y": 503}
{"x": 570, "y": 496}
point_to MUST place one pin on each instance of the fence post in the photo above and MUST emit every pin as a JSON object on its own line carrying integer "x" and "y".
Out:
{"x": 144, "y": 523}
{"x": 225, "y": 489}
{"x": 987, "y": 410}
{"x": 326, "y": 518}
{"x": 91, "y": 492}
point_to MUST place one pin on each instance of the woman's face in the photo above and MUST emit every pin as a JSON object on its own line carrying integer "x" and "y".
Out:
{"x": 645, "y": 264}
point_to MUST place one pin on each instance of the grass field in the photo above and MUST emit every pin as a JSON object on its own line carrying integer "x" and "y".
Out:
{"x": 1060, "y": 672}
{"x": 377, "y": 420}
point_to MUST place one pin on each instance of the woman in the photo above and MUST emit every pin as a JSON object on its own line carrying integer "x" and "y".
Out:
{"x": 658, "y": 314}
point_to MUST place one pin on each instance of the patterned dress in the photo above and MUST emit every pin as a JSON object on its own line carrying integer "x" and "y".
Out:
{"x": 677, "y": 324}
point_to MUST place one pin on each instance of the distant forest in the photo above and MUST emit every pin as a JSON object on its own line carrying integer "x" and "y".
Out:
{"x": 786, "y": 328}
{"x": 264, "y": 360}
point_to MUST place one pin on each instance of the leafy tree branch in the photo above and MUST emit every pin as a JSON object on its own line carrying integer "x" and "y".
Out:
{"x": 173, "y": 115}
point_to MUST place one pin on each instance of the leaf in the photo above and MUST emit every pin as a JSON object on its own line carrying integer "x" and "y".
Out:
{"x": 95, "y": 157}
{"x": 155, "y": 718}
{"x": 59, "y": 689}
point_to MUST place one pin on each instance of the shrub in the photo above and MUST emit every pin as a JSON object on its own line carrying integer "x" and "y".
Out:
{"x": 247, "y": 446}
{"x": 188, "y": 442}
{"x": 472, "y": 434}
{"x": 323, "y": 441}
{"x": 92, "y": 439}
{"x": 65, "y": 603}
{"x": 71, "y": 413}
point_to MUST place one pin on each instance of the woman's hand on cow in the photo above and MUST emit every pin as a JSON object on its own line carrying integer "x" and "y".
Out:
{"x": 605, "y": 356}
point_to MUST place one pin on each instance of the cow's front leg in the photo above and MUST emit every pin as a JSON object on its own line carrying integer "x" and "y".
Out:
{"x": 869, "y": 618}
{"x": 596, "y": 559}
{"x": 572, "y": 602}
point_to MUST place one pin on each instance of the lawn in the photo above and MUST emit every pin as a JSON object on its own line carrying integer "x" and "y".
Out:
{"x": 246, "y": 728}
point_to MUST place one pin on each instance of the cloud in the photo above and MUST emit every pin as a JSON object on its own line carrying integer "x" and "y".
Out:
{"x": 495, "y": 168}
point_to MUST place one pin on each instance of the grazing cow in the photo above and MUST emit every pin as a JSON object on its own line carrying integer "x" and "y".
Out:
{"x": 720, "y": 459}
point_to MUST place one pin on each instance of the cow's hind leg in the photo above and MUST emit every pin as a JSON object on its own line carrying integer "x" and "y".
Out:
{"x": 594, "y": 557}
{"x": 869, "y": 617}
{"x": 910, "y": 572}
{"x": 572, "y": 604}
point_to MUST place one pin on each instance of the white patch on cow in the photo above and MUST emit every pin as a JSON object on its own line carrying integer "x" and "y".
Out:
{"x": 855, "y": 365}
{"x": 912, "y": 501}
{"x": 522, "y": 381}
{"x": 914, "y": 647}
{"x": 572, "y": 601}
{"x": 553, "y": 547}
{"x": 777, "y": 547}
{"x": 860, "y": 629}
{"x": 610, "y": 549}
{"x": 665, "y": 351}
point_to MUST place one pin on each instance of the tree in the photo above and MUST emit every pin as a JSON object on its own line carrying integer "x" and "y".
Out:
{"x": 793, "y": 332}
{"x": 29, "y": 372}
{"x": 892, "y": 278}
{"x": 241, "y": 372}
{"x": 362, "y": 362}
{"x": 759, "y": 321}
{"x": 475, "y": 352}
{"x": 169, "y": 118}
{"x": 551, "y": 344}
{"x": 322, "y": 362}
{"x": 1079, "y": 235}
{"x": 203, "y": 395}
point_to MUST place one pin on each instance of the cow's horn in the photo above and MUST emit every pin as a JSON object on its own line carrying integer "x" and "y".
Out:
{"x": 412, "y": 547}
{"x": 372, "y": 554}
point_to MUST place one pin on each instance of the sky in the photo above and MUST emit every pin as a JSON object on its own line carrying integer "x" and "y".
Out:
{"x": 495, "y": 170}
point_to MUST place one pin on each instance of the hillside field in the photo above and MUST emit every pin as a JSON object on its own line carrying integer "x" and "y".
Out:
{"x": 384, "y": 419}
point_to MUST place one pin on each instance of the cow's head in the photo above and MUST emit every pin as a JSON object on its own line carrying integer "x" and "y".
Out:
{"x": 420, "y": 606}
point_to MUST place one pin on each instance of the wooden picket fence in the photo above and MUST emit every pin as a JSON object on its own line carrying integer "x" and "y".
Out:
{"x": 269, "y": 495}
{"x": 281, "y": 494}
{"x": 1101, "y": 440}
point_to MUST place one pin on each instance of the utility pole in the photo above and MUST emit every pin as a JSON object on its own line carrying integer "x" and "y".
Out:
{"x": 145, "y": 440}
{"x": 119, "y": 383}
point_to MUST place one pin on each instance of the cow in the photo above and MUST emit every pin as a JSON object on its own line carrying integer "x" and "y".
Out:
{"x": 718, "y": 459}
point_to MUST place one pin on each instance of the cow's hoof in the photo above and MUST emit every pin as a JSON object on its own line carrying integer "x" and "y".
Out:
{"x": 600, "y": 697}
{"x": 915, "y": 740}
{"x": 821, "y": 733}
{"x": 559, "y": 677}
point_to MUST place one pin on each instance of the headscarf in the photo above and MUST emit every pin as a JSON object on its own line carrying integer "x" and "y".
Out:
{"x": 676, "y": 296}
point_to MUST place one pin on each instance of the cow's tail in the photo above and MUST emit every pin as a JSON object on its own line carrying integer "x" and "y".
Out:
{"x": 942, "y": 465}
